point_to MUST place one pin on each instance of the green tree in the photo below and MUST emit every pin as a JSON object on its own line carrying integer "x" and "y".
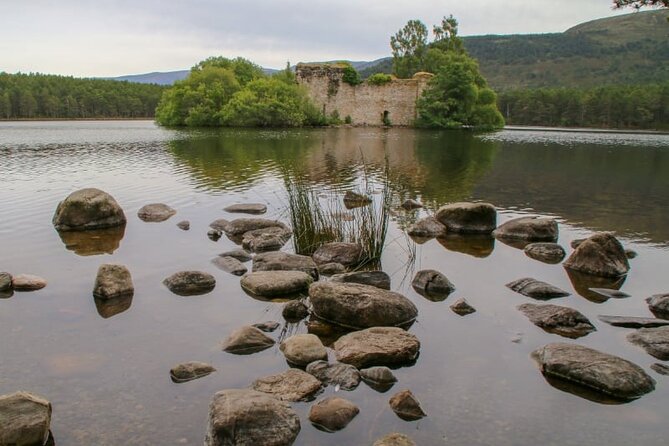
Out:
{"x": 409, "y": 47}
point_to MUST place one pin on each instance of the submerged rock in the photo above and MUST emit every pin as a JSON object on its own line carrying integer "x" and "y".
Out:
{"x": 633, "y": 322}
{"x": 272, "y": 284}
{"x": 24, "y": 419}
{"x": 354, "y": 200}
{"x": 600, "y": 255}
{"x": 266, "y": 239}
{"x": 631, "y": 254}
{"x": 377, "y": 279}
{"x": 532, "y": 229}
{"x": 462, "y": 308}
{"x": 394, "y": 439}
{"x": 27, "y": 282}
{"x": 189, "y": 371}
{"x": 360, "y": 306}
{"x": 283, "y": 261}
{"x": 155, "y": 212}
{"x": 607, "y": 293}
{"x": 5, "y": 282}
{"x": 240, "y": 254}
{"x": 184, "y": 225}
{"x": 428, "y": 227}
{"x": 241, "y": 226}
{"x": 377, "y": 346}
{"x": 654, "y": 340}
{"x": 303, "y": 349}
{"x": 230, "y": 265}
{"x": 379, "y": 378}
{"x": 247, "y": 340}
{"x": 295, "y": 311}
{"x": 658, "y": 304}
{"x": 536, "y": 289}
{"x": 406, "y": 406}
{"x": 348, "y": 254}
{"x": 247, "y": 208}
{"x": 599, "y": 371}
{"x": 268, "y": 326}
{"x": 214, "y": 235}
{"x": 330, "y": 269}
{"x": 332, "y": 414}
{"x": 113, "y": 281}
{"x": 550, "y": 253}
{"x": 432, "y": 285}
{"x": 468, "y": 218}
{"x": 343, "y": 375}
{"x": 558, "y": 320}
{"x": 244, "y": 417}
{"x": 219, "y": 224}
{"x": 88, "y": 209}
{"x": 662, "y": 369}
{"x": 190, "y": 283}
{"x": 411, "y": 204}
{"x": 291, "y": 385}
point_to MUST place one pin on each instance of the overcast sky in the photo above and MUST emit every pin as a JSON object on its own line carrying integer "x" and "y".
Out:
{"x": 117, "y": 37}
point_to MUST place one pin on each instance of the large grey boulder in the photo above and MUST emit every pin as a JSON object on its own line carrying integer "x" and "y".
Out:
{"x": 600, "y": 255}
{"x": 550, "y": 253}
{"x": 291, "y": 385}
{"x": 332, "y": 414}
{"x": 244, "y": 417}
{"x": 155, "y": 212}
{"x": 406, "y": 406}
{"x": 360, "y": 306}
{"x": 599, "y": 371}
{"x": 654, "y": 340}
{"x": 113, "y": 281}
{"x": 428, "y": 227}
{"x": 377, "y": 346}
{"x": 532, "y": 229}
{"x": 283, "y": 261}
{"x": 272, "y": 284}
{"x": 559, "y": 320}
{"x": 241, "y": 226}
{"x": 659, "y": 305}
{"x": 246, "y": 208}
{"x": 536, "y": 289}
{"x": 303, "y": 349}
{"x": 190, "y": 283}
{"x": 378, "y": 279}
{"x": 468, "y": 218}
{"x": 230, "y": 265}
{"x": 266, "y": 239}
{"x": 432, "y": 285}
{"x": 27, "y": 282}
{"x": 345, "y": 376}
{"x": 348, "y": 254}
{"x": 247, "y": 340}
{"x": 240, "y": 254}
{"x": 88, "y": 209}
{"x": 329, "y": 269}
{"x": 24, "y": 420}
{"x": 188, "y": 371}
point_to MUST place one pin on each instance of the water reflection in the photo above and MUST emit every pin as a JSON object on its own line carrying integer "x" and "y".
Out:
{"x": 583, "y": 282}
{"x": 476, "y": 245}
{"x": 111, "y": 307}
{"x": 583, "y": 391}
{"x": 94, "y": 242}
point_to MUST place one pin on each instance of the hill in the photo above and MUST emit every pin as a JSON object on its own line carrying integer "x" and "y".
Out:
{"x": 160, "y": 78}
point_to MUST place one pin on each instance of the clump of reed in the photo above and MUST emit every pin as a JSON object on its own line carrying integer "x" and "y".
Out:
{"x": 318, "y": 215}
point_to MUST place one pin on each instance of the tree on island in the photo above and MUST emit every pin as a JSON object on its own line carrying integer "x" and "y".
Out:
{"x": 457, "y": 96}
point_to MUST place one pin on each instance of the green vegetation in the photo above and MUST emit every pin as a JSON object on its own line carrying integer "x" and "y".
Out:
{"x": 622, "y": 106}
{"x": 351, "y": 75}
{"x": 379, "y": 79}
{"x": 41, "y": 96}
{"x": 457, "y": 96}
{"x": 236, "y": 92}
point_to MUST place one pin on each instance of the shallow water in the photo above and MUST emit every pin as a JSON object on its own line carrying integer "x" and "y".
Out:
{"x": 107, "y": 374}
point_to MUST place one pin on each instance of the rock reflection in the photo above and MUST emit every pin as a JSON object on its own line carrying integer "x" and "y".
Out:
{"x": 111, "y": 307}
{"x": 476, "y": 245}
{"x": 583, "y": 282}
{"x": 583, "y": 391}
{"x": 6, "y": 294}
{"x": 94, "y": 242}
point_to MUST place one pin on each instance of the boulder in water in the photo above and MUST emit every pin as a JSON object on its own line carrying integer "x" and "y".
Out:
{"x": 377, "y": 346}
{"x": 332, "y": 414}
{"x": 88, "y": 209}
{"x": 24, "y": 419}
{"x": 155, "y": 212}
{"x": 190, "y": 283}
{"x": 600, "y": 255}
{"x": 468, "y": 218}
{"x": 532, "y": 229}
{"x": 113, "y": 281}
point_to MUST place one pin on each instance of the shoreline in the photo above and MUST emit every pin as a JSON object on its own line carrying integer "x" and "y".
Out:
{"x": 146, "y": 118}
{"x": 584, "y": 130}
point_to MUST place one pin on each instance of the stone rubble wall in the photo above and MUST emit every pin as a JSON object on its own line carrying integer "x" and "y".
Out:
{"x": 364, "y": 103}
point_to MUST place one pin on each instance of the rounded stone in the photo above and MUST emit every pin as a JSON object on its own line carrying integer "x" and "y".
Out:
{"x": 113, "y": 281}
{"x": 468, "y": 218}
{"x": 406, "y": 406}
{"x": 345, "y": 376}
{"x": 24, "y": 419}
{"x": 247, "y": 340}
{"x": 295, "y": 311}
{"x": 190, "y": 283}
{"x": 276, "y": 283}
{"x": 283, "y": 261}
{"x": 600, "y": 255}
{"x": 247, "y": 208}
{"x": 5, "y": 282}
{"x": 378, "y": 279}
{"x": 347, "y": 254}
{"x": 189, "y": 371}
{"x": 88, "y": 209}
{"x": 432, "y": 285}
{"x": 550, "y": 253}
{"x": 155, "y": 212}
{"x": 332, "y": 414}
{"x": 377, "y": 346}
{"x": 303, "y": 349}
{"x": 27, "y": 282}
{"x": 291, "y": 385}
{"x": 533, "y": 229}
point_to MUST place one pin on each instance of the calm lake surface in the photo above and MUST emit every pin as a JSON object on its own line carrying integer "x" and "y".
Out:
{"x": 107, "y": 375}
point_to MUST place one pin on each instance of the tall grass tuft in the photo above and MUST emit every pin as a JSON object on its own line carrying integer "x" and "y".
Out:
{"x": 318, "y": 215}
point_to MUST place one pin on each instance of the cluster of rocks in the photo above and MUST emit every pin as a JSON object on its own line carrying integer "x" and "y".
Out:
{"x": 20, "y": 282}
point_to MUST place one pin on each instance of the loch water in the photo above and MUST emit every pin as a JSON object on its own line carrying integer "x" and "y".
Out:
{"x": 106, "y": 370}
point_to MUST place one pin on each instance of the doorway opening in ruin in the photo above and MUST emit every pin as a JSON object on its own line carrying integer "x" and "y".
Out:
{"x": 386, "y": 118}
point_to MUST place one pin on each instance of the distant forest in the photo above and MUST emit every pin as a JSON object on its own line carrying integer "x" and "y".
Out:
{"x": 614, "y": 107}
{"x": 35, "y": 96}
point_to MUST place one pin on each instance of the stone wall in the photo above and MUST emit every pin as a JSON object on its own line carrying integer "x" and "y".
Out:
{"x": 366, "y": 104}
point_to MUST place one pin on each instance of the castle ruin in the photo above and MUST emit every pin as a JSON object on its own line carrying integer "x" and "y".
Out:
{"x": 366, "y": 103}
